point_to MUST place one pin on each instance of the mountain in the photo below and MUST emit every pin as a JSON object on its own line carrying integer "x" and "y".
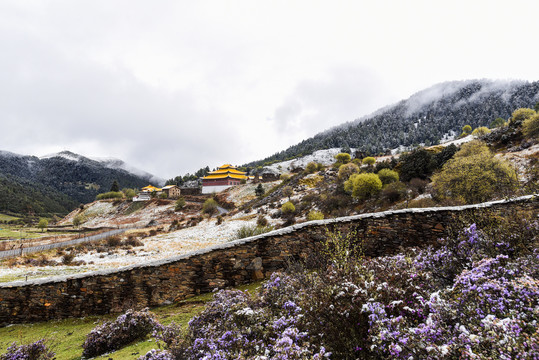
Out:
{"x": 425, "y": 118}
{"x": 57, "y": 183}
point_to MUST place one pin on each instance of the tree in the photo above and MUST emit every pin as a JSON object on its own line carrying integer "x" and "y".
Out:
{"x": 346, "y": 170}
{"x": 418, "y": 164}
{"x": 536, "y": 107}
{"x": 363, "y": 186}
{"x": 475, "y": 175}
{"x": 480, "y": 131}
{"x": 209, "y": 207}
{"x": 43, "y": 224}
{"x": 369, "y": 161}
{"x": 129, "y": 193}
{"x": 530, "y": 126}
{"x": 115, "y": 186}
{"x": 519, "y": 115}
{"x": 288, "y": 191}
{"x": 443, "y": 156}
{"x": 497, "y": 122}
{"x": 343, "y": 158}
{"x": 466, "y": 130}
{"x": 259, "y": 190}
{"x": 388, "y": 176}
{"x": 311, "y": 167}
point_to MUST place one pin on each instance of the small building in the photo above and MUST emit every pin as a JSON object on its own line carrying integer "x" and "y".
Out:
{"x": 222, "y": 178}
{"x": 172, "y": 191}
{"x": 143, "y": 196}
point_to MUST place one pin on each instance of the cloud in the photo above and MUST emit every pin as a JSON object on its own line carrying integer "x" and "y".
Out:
{"x": 343, "y": 94}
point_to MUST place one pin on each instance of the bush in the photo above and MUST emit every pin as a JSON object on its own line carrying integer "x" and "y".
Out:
{"x": 480, "y": 131}
{"x": 114, "y": 241}
{"x": 110, "y": 195}
{"x": 346, "y": 170}
{"x": 475, "y": 175}
{"x": 35, "y": 351}
{"x": 394, "y": 192}
{"x": 163, "y": 195}
{"x": 343, "y": 158}
{"x": 209, "y": 207}
{"x": 520, "y": 115}
{"x": 419, "y": 163}
{"x": 180, "y": 204}
{"x": 315, "y": 215}
{"x": 363, "y": 186}
{"x": 369, "y": 161}
{"x": 219, "y": 220}
{"x": 68, "y": 258}
{"x": 248, "y": 231}
{"x": 288, "y": 208}
{"x": 133, "y": 241}
{"x": 261, "y": 221}
{"x": 530, "y": 127}
{"x": 311, "y": 167}
{"x": 111, "y": 336}
{"x": 388, "y": 176}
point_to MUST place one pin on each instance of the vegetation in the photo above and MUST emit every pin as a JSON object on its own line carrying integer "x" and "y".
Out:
{"x": 388, "y": 176}
{"x": 209, "y": 207}
{"x": 110, "y": 195}
{"x": 315, "y": 215}
{"x": 180, "y": 204}
{"x": 530, "y": 126}
{"x": 475, "y": 175}
{"x": 480, "y": 131}
{"x": 115, "y": 187}
{"x": 288, "y": 192}
{"x": 343, "y": 158}
{"x": 43, "y": 224}
{"x": 181, "y": 180}
{"x": 259, "y": 190}
{"x": 248, "y": 231}
{"x": 346, "y": 170}
{"x": 363, "y": 186}
{"x": 288, "y": 208}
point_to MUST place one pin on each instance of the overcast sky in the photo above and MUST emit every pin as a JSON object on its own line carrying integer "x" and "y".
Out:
{"x": 172, "y": 86}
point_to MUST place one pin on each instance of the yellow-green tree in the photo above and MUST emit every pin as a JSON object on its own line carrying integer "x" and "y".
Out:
{"x": 530, "y": 126}
{"x": 388, "y": 176}
{"x": 475, "y": 175}
{"x": 480, "y": 131}
{"x": 343, "y": 158}
{"x": 519, "y": 115}
{"x": 346, "y": 170}
{"x": 363, "y": 186}
{"x": 43, "y": 224}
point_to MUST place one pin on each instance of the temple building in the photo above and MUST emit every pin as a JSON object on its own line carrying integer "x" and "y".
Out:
{"x": 222, "y": 178}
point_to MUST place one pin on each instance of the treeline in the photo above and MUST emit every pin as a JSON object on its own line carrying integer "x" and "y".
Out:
{"x": 422, "y": 119}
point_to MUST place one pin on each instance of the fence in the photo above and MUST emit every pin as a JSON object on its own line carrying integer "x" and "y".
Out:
{"x": 38, "y": 248}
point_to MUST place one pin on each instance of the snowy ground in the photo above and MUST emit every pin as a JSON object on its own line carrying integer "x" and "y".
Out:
{"x": 205, "y": 234}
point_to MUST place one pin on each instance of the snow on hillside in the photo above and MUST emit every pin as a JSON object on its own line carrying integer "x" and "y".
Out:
{"x": 113, "y": 163}
{"x": 63, "y": 154}
{"x": 325, "y": 157}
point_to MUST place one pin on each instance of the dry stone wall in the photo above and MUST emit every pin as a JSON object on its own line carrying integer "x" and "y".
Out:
{"x": 239, "y": 262}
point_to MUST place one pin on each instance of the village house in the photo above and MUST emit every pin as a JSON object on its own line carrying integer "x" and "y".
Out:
{"x": 222, "y": 178}
{"x": 172, "y": 191}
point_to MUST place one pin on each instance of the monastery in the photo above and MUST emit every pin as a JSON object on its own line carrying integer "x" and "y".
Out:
{"x": 222, "y": 178}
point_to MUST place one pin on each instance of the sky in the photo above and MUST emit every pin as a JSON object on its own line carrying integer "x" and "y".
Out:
{"x": 173, "y": 86}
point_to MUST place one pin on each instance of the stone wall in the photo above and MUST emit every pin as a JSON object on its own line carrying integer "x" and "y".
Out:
{"x": 238, "y": 262}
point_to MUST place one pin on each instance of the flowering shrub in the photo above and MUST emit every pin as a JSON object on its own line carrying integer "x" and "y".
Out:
{"x": 474, "y": 297}
{"x": 35, "y": 351}
{"x": 110, "y": 336}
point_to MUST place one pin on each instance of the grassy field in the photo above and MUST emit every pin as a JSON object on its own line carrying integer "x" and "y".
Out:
{"x": 17, "y": 232}
{"x": 4, "y": 217}
{"x": 65, "y": 337}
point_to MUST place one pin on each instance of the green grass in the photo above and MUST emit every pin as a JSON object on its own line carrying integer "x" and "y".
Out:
{"x": 4, "y": 217}
{"x": 16, "y": 232}
{"x": 65, "y": 337}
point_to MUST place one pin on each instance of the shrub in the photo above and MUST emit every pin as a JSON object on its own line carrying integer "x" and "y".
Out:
{"x": 219, "y": 220}
{"x": 114, "y": 241}
{"x": 68, "y": 258}
{"x": 343, "y": 158}
{"x": 110, "y": 195}
{"x": 418, "y": 164}
{"x": 480, "y": 131}
{"x": 363, "y": 186}
{"x": 209, "y": 207}
{"x": 180, "y": 204}
{"x": 315, "y": 215}
{"x": 394, "y": 192}
{"x": 248, "y": 231}
{"x": 163, "y": 195}
{"x": 129, "y": 193}
{"x": 311, "y": 167}
{"x": 369, "y": 161}
{"x": 261, "y": 221}
{"x": 346, "y": 170}
{"x": 34, "y": 351}
{"x": 111, "y": 336}
{"x": 388, "y": 176}
{"x": 284, "y": 177}
{"x": 259, "y": 190}
{"x": 466, "y": 130}
{"x": 133, "y": 241}
{"x": 519, "y": 115}
{"x": 475, "y": 175}
{"x": 288, "y": 208}
{"x": 530, "y": 126}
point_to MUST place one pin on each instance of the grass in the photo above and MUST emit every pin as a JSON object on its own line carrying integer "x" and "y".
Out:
{"x": 134, "y": 206}
{"x": 4, "y": 217}
{"x": 65, "y": 337}
{"x": 16, "y": 232}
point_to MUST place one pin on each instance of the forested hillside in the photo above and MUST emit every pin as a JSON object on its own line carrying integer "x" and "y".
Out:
{"x": 56, "y": 184}
{"x": 423, "y": 118}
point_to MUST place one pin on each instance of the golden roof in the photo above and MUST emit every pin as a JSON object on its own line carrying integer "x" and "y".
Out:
{"x": 151, "y": 188}
{"x": 224, "y": 176}
{"x": 232, "y": 171}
